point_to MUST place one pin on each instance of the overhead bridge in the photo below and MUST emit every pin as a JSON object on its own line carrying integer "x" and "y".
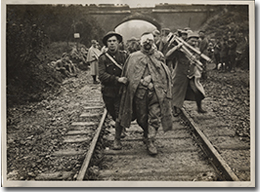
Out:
{"x": 164, "y": 15}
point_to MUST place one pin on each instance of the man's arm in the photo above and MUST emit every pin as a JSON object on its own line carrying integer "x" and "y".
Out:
{"x": 172, "y": 50}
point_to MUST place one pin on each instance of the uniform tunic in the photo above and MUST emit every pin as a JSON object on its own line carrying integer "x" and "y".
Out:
{"x": 108, "y": 74}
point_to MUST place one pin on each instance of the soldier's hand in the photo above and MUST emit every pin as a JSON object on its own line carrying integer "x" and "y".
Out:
{"x": 150, "y": 86}
{"x": 193, "y": 58}
{"x": 180, "y": 45}
{"x": 148, "y": 79}
{"x": 122, "y": 80}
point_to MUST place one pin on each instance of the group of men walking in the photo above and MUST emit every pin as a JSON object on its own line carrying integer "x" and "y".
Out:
{"x": 140, "y": 86}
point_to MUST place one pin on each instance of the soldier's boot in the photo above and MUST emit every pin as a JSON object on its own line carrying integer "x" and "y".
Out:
{"x": 95, "y": 79}
{"x": 117, "y": 143}
{"x": 176, "y": 111}
{"x": 200, "y": 110}
{"x": 151, "y": 148}
{"x": 123, "y": 134}
{"x": 145, "y": 136}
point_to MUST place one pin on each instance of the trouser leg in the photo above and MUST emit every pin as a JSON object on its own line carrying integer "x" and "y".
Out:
{"x": 148, "y": 117}
{"x": 141, "y": 111}
{"x": 198, "y": 96}
{"x": 117, "y": 143}
{"x": 225, "y": 64}
{"x": 94, "y": 78}
{"x": 111, "y": 106}
{"x": 118, "y": 132}
{"x": 154, "y": 116}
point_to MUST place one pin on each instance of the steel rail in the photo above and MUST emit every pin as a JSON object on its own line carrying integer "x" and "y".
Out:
{"x": 90, "y": 152}
{"x": 209, "y": 149}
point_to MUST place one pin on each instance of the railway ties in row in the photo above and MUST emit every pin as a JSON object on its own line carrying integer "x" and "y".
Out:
{"x": 178, "y": 159}
{"x": 75, "y": 144}
{"x": 190, "y": 152}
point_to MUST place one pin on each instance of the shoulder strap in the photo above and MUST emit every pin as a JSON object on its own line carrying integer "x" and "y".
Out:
{"x": 111, "y": 58}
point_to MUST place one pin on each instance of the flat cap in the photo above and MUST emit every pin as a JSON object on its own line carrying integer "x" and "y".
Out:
{"x": 193, "y": 34}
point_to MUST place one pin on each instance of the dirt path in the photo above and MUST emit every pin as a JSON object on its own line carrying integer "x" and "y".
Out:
{"x": 36, "y": 130}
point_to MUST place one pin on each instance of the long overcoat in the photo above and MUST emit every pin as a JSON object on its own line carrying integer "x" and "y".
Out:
{"x": 184, "y": 72}
{"x": 92, "y": 58}
{"x": 134, "y": 69}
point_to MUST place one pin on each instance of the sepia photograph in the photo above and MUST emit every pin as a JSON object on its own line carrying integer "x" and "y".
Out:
{"x": 128, "y": 93}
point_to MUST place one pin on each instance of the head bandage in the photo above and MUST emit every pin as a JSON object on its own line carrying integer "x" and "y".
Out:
{"x": 146, "y": 37}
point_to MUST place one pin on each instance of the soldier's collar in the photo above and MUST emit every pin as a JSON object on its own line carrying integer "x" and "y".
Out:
{"x": 112, "y": 53}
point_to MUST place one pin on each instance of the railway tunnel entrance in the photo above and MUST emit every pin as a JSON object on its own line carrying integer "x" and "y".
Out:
{"x": 135, "y": 25}
{"x": 134, "y": 28}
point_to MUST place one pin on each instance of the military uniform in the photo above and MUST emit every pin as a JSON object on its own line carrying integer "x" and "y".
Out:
{"x": 186, "y": 76}
{"x": 224, "y": 55}
{"x": 232, "y": 45}
{"x": 146, "y": 99}
{"x": 185, "y": 73}
{"x": 203, "y": 45}
{"x": 217, "y": 49}
{"x": 108, "y": 75}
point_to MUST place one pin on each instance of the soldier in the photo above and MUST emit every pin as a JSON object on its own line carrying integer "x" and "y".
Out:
{"x": 165, "y": 39}
{"x": 171, "y": 61}
{"x": 184, "y": 35}
{"x": 224, "y": 55}
{"x": 232, "y": 45}
{"x": 203, "y": 41}
{"x": 186, "y": 75}
{"x": 210, "y": 51}
{"x": 69, "y": 65}
{"x": 60, "y": 66}
{"x": 217, "y": 50}
{"x": 203, "y": 45}
{"x": 133, "y": 45}
{"x": 156, "y": 35}
{"x": 110, "y": 68}
{"x": 147, "y": 95}
{"x": 65, "y": 66}
{"x": 92, "y": 58}
{"x": 84, "y": 53}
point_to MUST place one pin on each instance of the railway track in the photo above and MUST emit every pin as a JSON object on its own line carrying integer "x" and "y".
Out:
{"x": 187, "y": 153}
{"x": 76, "y": 144}
{"x": 181, "y": 157}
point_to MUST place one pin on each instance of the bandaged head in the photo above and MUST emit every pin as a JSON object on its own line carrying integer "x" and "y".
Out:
{"x": 146, "y": 37}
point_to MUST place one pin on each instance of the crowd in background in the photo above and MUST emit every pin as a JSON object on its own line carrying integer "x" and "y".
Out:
{"x": 222, "y": 49}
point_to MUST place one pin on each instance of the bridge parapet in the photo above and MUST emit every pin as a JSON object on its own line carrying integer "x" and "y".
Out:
{"x": 173, "y": 16}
